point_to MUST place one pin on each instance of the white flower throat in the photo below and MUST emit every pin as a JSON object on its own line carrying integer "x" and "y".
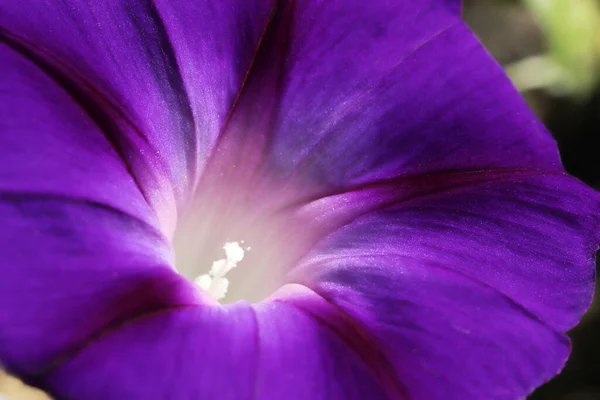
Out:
{"x": 213, "y": 230}
{"x": 214, "y": 283}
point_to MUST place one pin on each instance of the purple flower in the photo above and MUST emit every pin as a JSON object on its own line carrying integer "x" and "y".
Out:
{"x": 396, "y": 215}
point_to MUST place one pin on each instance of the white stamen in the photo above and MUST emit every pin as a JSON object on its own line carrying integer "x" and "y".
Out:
{"x": 203, "y": 281}
{"x": 234, "y": 252}
{"x": 215, "y": 283}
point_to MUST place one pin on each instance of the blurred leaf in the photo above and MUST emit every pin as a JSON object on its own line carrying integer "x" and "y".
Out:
{"x": 572, "y": 29}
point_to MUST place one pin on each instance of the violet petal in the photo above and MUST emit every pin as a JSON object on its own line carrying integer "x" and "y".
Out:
{"x": 81, "y": 248}
{"x": 159, "y": 78}
{"x": 386, "y": 89}
{"x": 467, "y": 290}
{"x": 271, "y": 352}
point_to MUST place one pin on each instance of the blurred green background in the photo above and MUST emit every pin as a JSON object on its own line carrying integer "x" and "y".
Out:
{"x": 551, "y": 50}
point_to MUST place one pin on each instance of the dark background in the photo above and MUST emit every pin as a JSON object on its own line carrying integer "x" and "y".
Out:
{"x": 511, "y": 32}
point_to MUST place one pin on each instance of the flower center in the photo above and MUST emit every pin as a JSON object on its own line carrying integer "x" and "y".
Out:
{"x": 237, "y": 250}
{"x": 215, "y": 283}
{"x": 277, "y": 230}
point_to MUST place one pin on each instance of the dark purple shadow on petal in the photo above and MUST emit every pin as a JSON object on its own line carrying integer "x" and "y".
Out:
{"x": 242, "y": 141}
{"x": 151, "y": 34}
{"x": 379, "y": 194}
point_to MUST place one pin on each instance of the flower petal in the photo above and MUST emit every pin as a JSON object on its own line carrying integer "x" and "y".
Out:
{"x": 303, "y": 358}
{"x": 98, "y": 131}
{"x": 81, "y": 248}
{"x": 467, "y": 290}
{"x": 375, "y": 90}
{"x": 157, "y": 77}
{"x": 268, "y": 352}
{"x": 531, "y": 236}
{"x": 446, "y": 336}
{"x": 187, "y": 353}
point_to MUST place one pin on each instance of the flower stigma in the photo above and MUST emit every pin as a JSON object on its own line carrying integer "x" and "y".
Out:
{"x": 214, "y": 283}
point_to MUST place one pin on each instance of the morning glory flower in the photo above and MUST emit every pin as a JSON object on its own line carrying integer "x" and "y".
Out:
{"x": 261, "y": 199}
